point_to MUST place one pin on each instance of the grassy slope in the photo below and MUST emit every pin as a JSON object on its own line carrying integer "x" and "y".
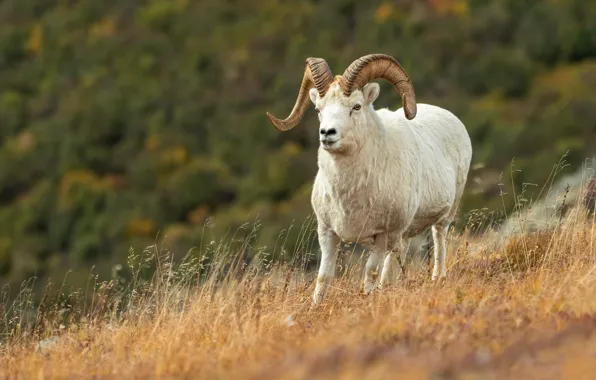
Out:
{"x": 526, "y": 310}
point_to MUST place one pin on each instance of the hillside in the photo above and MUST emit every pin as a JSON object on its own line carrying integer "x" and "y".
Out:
{"x": 524, "y": 311}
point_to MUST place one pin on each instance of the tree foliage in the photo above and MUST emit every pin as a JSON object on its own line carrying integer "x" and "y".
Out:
{"x": 123, "y": 119}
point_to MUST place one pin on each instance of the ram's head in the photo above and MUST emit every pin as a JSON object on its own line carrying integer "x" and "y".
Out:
{"x": 343, "y": 101}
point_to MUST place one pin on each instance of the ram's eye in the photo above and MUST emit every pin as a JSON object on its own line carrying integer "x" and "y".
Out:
{"x": 356, "y": 107}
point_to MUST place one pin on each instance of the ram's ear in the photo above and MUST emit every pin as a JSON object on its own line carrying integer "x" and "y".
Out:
{"x": 314, "y": 95}
{"x": 370, "y": 92}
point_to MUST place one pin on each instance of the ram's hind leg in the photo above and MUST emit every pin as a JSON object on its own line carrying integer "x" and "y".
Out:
{"x": 391, "y": 259}
{"x": 440, "y": 249}
{"x": 371, "y": 270}
{"x": 377, "y": 252}
{"x": 440, "y": 230}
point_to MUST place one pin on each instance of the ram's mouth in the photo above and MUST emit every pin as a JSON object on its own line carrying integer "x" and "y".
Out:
{"x": 329, "y": 144}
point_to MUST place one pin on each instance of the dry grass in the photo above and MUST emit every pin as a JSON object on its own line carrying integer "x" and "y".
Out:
{"x": 525, "y": 311}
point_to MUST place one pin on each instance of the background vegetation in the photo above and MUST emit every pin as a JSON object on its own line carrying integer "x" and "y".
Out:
{"x": 123, "y": 120}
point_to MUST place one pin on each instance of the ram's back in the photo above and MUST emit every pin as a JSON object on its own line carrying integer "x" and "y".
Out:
{"x": 442, "y": 154}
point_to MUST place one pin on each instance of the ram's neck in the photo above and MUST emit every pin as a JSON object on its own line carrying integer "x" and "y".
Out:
{"x": 357, "y": 167}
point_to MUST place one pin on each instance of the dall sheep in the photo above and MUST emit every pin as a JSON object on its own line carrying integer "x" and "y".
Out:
{"x": 383, "y": 176}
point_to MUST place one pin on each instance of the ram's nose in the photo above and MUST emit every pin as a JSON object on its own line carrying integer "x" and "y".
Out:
{"x": 327, "y": 132}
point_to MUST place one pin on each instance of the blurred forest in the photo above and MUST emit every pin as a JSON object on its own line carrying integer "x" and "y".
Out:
{"x": 126, "y": 121}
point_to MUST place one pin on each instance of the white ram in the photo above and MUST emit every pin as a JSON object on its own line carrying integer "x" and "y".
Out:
{"x": 384, "y": 176}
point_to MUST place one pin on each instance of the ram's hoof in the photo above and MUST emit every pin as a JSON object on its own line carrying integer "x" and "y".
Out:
{"x": 368, "y": 288}
{"x": 319, "y": 294}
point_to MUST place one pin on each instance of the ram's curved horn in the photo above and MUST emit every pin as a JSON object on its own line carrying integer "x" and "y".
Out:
{"x": 375, "y": 66}
{"x": 316, "y": 74}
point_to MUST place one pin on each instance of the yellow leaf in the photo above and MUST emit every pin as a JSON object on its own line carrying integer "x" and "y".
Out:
{"x": 178, "y": 155}
{"x": 104, "y": 28}
{"x": 454, "y": 7}
{"x": 141, "y": 227}
{"x": 74, "y": 178}
{"x": 383, "y": 13}
{"x": 35, "y": 42}
{"x": 152, "y": 143}
{"x": 461, "y": 8}
{"x": 198, "y": 215}
{"x": 174, "y": 156}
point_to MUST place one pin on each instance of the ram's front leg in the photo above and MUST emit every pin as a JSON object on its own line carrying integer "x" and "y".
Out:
{"x": 328, "y": 241}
